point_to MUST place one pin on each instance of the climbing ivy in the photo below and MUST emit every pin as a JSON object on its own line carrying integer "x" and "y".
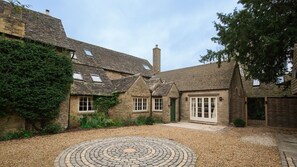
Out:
{"x": 35, "y": 79}
{"x": 104, "y": 103}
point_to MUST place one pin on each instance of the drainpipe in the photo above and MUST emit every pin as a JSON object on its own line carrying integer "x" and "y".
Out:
{"x": 179, "y": 107}
{"x": 68, "y": 126}
{"x": 151, "y": 103}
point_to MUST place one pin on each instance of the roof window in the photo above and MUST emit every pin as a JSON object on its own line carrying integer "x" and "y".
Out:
{"x": 96, "y": 78}
{"x": 77, "y": 76}
{"x": 146, "y": 67}
{"x": 88, "y": 53}
{"x": 256, "y": 82}
{"x": 280, "y": 80}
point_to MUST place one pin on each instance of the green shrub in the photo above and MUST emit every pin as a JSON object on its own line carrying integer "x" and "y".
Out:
{"x": 51, "y": 128}
{"x": 140, "y": 120}
{"x": 129, "y": 122}
{"x": 149, "y": 121}
{"x": 17, "y": 135}
{"x": 96, "y": 120}
{"x": 239, "y": 122}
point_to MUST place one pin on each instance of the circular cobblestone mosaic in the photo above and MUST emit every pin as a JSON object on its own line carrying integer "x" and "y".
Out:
{"x": 127, "y": 151}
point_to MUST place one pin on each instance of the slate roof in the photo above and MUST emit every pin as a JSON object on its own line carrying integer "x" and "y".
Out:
{"x": 162, "y": 90}
{"x": 202, "y": 77}
{"x": 38, "y": 26}
{"x": 109, "y": 59}
{"x": 266, "y": 90}
{"x": 123, "y": 84}
{"x": 88, "y": 86}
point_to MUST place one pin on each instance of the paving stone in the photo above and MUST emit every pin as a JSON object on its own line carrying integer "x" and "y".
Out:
{"x": 127, "y": 151}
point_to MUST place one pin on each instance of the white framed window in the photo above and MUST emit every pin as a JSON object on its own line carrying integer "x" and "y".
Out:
{"x": 146, "y": 67}
{"x": 158, "y": 104}
{"x": 88, "y": 52}
{"x": 203, "y": 109}
{"x": 77, "y": 76}
{"x": 96, "y": 78}
{"x": 256, "y": 82}
{"x": 280, "y": 80}
{"x": 139, "y": 104}
{"x": 85, "y": 104}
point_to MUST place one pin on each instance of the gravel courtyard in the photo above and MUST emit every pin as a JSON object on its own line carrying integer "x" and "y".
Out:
{"x": 228, "y": 147}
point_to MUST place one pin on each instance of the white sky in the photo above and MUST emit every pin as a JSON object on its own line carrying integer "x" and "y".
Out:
{"x": 181, "y": 28}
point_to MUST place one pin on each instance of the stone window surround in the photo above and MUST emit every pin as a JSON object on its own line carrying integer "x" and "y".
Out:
{"x": 144, "y": 108}
{"x": 88, "y": 101}
{"x": 158, "y": 101}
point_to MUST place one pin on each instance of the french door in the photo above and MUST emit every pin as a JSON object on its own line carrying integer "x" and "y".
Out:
{"x": 203, "y": 109}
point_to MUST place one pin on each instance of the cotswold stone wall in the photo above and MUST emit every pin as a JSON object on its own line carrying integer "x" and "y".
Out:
{"x": 115, "y": 75}
{"x": 124, "y": 110}
{"x": 237, "y": 101}
{"x": 64, "y": 112}
{"x": 11, "y": 123}
{"x": 165, "y": 113}
{"x": 222, "y": 110}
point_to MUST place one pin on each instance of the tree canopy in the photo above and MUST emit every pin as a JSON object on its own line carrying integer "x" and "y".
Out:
{"x": 35, "y": 79}
{"x": 260, "y": 36}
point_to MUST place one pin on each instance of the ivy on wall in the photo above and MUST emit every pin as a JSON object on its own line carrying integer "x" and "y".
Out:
{"x": 35, "y": 79}
{"x": 104, "y": 103}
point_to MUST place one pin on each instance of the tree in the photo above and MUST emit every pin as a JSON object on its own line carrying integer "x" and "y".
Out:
{"x": 260, "y": 37}
{"x": 35, "y": 79}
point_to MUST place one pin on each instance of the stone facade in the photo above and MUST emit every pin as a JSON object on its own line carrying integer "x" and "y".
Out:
{"x": 165, "y": 114}
{"x": 222, "y": 106}
{"x": 294, "y": 71}
{"x": 124, "y": 110}
{"x": 115, "y": 75}
{"x": 237, "y": 97}
{"x": 11, "y": 123}
{"x": 64, "y": 113}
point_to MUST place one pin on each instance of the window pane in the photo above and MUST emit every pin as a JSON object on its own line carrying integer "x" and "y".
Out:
{"x": 213, "y": 101}
{"x": 144, "y": 104}
{"x": 205, "y": 107}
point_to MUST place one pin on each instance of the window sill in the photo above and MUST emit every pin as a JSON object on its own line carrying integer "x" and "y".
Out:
{"x": 136, "y": 112}
{"x": 86, "y": 112}
{"x": 157, "y": 110}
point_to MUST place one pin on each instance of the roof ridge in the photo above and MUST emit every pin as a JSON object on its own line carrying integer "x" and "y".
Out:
{"x": 195, "y": 66}
{"x": 95, "y": 45}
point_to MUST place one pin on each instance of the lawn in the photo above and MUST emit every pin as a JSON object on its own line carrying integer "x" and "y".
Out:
{"x": 222, "y": 148}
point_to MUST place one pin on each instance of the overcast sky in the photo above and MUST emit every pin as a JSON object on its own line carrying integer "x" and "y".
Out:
{"x": 181, "y": 28}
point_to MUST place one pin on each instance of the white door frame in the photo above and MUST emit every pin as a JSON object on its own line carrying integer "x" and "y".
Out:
{"x": 205, "y": 115}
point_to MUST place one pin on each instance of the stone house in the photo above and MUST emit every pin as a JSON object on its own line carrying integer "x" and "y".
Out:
{"x": 202, "y": 94}
{"x": 26, "y": 24}
{"x": 209, "y": 94}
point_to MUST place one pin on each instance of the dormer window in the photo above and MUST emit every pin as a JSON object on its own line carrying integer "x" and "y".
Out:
{"x": 96, "y": 78}
{"x": 88, "y": 53}
{"x": 73, "y": 55}
{"x": 77, "y": 76}
{"x": 256, "y": 82}
{"x": 280, "y": 80}
{"x": 146, "y": 67}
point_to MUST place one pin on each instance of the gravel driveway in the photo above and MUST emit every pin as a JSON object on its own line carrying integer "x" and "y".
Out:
{"x": 221, "y": 148}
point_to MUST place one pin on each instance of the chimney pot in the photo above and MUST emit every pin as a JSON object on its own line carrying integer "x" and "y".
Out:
{"x": 47, "y": 12}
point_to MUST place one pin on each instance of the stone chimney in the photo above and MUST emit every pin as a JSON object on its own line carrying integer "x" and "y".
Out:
{"x": 47, "y": 12}
{"x": 156, "y": 60}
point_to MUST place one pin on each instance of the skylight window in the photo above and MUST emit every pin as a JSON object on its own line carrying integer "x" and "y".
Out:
{"x": 74, "y": 56}
{"x": 77, "y": 76}
{"x": 88, "y": 53}
{"x": 256, "y": 82}
{"x": 280, "y": 80}
{"x": 96, "y": 78}
{"x": 146, "y": 67}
